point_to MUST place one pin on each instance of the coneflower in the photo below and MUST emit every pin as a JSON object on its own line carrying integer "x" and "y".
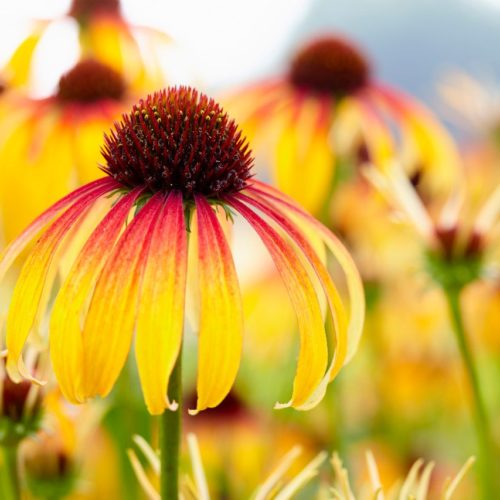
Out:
{"x": 175, "y": 164}
{"x": 104, "y": 34}
{"x": 51, "y": 145}
{"x": 328, "y": 111}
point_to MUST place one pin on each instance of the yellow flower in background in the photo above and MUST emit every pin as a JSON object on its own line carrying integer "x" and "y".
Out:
{"x": 104, "y": 34}
{"x": 121, "y": 246}
{"x": 457, "y": 233}
{"x": 327, "y": 110}
{"x": 49, "y": 146}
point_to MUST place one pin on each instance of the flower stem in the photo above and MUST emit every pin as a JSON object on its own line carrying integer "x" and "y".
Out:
{"x": 170, "y": 438}
{"x": 10, "y": 474}
{"x": 484, "y": 439}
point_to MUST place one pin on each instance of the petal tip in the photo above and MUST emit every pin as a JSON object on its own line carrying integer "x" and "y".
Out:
{"x": 282, "y": 406}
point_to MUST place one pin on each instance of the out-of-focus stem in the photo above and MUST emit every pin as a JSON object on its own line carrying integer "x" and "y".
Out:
{"x": 481, "y": 422}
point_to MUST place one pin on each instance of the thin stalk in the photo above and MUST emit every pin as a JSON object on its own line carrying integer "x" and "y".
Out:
{"x": 170, "y": 438}
{"x": 481, "y": 422}
{"x": 10, "y": 474}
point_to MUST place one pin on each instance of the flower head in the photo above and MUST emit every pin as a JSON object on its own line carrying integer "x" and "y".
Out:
{"x": 326, "y": 112}
{"x": 330, "y": 65}
{"x": 129, "y": 273}
{"x": 104, "y": 34}
{"x": 457, "y": 245}
{"x": 90, "y": 81}
{"x": 83, "y": 9}
{"x": 179, "y": 141}
{"x": 55, "y": 141}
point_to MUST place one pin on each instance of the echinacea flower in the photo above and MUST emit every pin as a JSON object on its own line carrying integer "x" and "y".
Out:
{"x": 328, "y": 110}
{"x": 464, "y": 241}
{"x": 104, "y": 34}
{"x": 176, "y": 157}
{"x": 459, "y": 249}
{"x": 49, "y": 146}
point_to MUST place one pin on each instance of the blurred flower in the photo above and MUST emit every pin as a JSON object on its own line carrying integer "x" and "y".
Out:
{"x": 175, "y": 155}
{"x": 21, "y": 403}
{"x": 54, "y": 460}
{"x": 459, "y": 240}
{"x": 48, "y": 468}
{"x": 51, "y": 145}
{"x": 327, "y": 113}
{"x": 104, "y": 35}
{"x": 278, "y": 487}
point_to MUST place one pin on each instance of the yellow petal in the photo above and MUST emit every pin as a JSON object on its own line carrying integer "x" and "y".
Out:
{"x": 221, "y": 316}
{"x": 66, "y": 347}
{"x": 313, "y": 354}
{"x": 160, "y": 318}
{"x": 108, "y": 329}
{"x": 304, "y": 158}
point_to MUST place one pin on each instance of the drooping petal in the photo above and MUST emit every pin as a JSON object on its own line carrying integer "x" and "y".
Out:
{"x": 336, "y": 306}
{"x": 160, "y": 318}
{"x": 110, "y": 41}
{"x": 86, "y": 132}
{"x": 353, "y": 279}
{"x": 18, "y": 67}
{"x": 306, "y": 147}
{"x": 379, "y": 143}
{"x": 221, "y": 311}
{"x": 37, "y": 166}
{"x": 109, "y": 326}
{"x": 423, "y": 137}
{"x": 13, "y": 250}
{"x": 256, "y": 106}
{"x": 313, "y": 355}
{"x": 30, "y": 285}
{"x": 65, "y": 328}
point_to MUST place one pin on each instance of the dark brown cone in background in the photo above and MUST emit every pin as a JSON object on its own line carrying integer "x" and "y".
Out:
{"x": 90, "y": 81}
{"x": 83, "y": 9}
{"x": 330, "y": 65}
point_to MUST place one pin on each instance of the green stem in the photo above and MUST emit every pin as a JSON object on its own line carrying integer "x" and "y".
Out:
{"x": 10, "y": 474}
{"x": 484, "y": 439}
{"x": 170, "y": 438}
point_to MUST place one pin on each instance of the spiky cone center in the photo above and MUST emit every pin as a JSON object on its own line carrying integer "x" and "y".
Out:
{"x": 90, "y": 81}
{"x": 179, "y": 139}
{"x": 83, "y": 9}
{"x": 330, "y": 65}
